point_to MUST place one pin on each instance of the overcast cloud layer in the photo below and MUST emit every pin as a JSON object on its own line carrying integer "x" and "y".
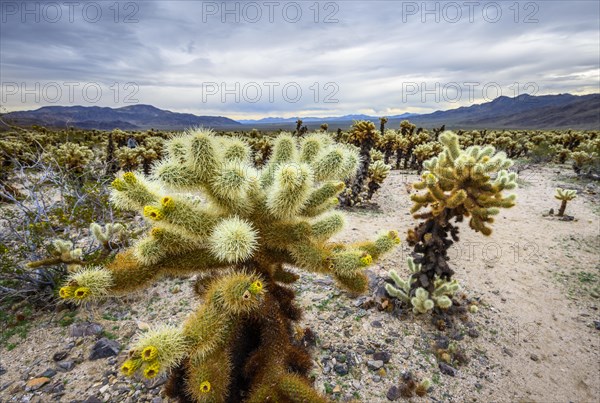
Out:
{"x": 376, "y": 57}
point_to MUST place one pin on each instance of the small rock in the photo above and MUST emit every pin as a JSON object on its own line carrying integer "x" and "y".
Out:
{"x": 36, "y": 383}
{"x": 104, "y": 348}
{"x": 2, "y": 371}
{"x": 442, "y": 342}
{"x": 104, "y": 389}
{"x": 376, "y": 324}
{"x": 66, "y": 365}
{"x": 507, "y": 351}
{"x": 157, "y": 399}
{"x": 382, "y": 356}
{"x": 376, "y": 379}
{"x": 337, "y": 389}
{"x": 473, "y": 333}
{"x": 92, "y": 399}
{"x": 59, "y": 356}
{"x": 597, "y": 324}
{"x": 447, "y": 369}
{"x": 49, "y": 373}
{"x": 85, "y": 329}
{"x": 534, "y": 357}
{"x": 341, "y": 369}
{"x": 393, "y": 393}
{"x": 374, "y": 365}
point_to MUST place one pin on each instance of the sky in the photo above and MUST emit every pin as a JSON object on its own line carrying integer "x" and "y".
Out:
{"x": 253, "y": 59}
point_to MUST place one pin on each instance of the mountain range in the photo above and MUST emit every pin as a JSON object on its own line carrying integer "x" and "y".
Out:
{"x": 559, "y": 111}
{"x": 133, "y": 117}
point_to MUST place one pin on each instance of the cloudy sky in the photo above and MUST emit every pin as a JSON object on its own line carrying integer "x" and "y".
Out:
{"x": 302, "y": 58}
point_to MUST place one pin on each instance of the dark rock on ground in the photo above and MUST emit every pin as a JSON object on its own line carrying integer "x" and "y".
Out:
{"x": 60, "y": 355}
{"x": 85, "y": 329}
{"x": 393, "y": 393}
{"x": 382, "y": 356}
{"x": 104, "y": 348}
{"x": 447, "y": 369}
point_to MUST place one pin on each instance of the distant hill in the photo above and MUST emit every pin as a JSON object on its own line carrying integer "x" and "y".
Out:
{"x": 310, "y": 119}
{"x": 560, "y": 111}
{"x": 126, "y": 118}
{"x": 523, "y": 112}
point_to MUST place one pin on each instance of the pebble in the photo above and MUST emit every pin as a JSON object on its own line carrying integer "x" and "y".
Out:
{"x": 597, "y": 324}
{"x": 393, "y": 393}
{"x": 36, "y": 383}
{"x": 104, "y": 348}
{"x": 59, "y": 356}
{"x": 473, "y": 333}
{"x": 49, "y": 373}
{"x": 341, "y": 369}
{"x": 374, "y": 365}
{"x": 85, "y": 329}
{"x": 534, "y": 357}
{"x": 382, "y": 356}
{"x": 447, "y": 369}
{"x": 66, "y": 365}
{"x": 376, "y": 324}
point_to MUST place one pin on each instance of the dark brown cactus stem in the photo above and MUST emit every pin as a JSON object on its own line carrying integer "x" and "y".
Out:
{"x": 363, "y": 171}
{"x": 430, "y": 241}
{"x": 563, "y": 206}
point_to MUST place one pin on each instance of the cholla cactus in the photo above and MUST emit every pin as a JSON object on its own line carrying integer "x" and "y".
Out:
{"x": 238, "y": 345}
{"x": 378, "y": 171}
{"x": 564, "y": 195}
{"x": 457, "y": 184}
{"x": 426, "y": 151}
{"x": 63, "y": 252}
{"x": 365, "y": 136}
{"x": 389, "y": 143}
{"x": 71, "y": 156}
{"x": 128, "y": 158}
{"x": 422, "y": 302}
{"x": 109, "y": 233}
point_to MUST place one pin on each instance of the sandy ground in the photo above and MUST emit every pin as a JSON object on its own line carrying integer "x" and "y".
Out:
{"x": 533, "y": 340}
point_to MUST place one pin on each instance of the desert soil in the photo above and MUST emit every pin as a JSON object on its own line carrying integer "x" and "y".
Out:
{"x": 535, "y": 337}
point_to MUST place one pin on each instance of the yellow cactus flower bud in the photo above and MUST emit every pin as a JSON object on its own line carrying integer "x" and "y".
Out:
{"x": 151, "y": 370}
{"x": 256, "y": 287}
{"x": 149, "y": 353}
{"x": 118, "y": 184}
{"x": 81, "y": 293}
{"x": 157, "y": 232}
{"x": 366, "y": 260}
{"x": 153, "y": 213}
{"x": 67, "y": 292}
{"x": 130, "y": 366}
{"x": 129, "y": 177}
{"x": 167, "y": 202}
{"x": 205, "y": 387}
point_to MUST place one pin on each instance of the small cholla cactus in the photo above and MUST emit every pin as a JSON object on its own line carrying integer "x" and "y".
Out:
{"x": 422, "y": 302}
{"x": 564, "y": 195}
{"x": 107, "y": 234}
{"x": 378, "y": 172}
{"x": 456, "y": 184}
{"x": 240, "y": 225}
{"x": 63, "y": 252}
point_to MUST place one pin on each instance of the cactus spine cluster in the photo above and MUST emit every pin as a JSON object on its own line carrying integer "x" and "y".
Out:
{"x": 456, "y": 184}
{"x": 564, "y": 195}
{"x": 213, "y": 212}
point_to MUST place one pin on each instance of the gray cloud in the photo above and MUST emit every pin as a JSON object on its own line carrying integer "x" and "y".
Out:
{"x": 380, "y": 57}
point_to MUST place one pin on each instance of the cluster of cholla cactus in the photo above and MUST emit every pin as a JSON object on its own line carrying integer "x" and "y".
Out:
{"x": 457, "y": 184}
{"x": 564, "y": 195}
{"x": 212, "y": 212}
{"x": 73, "y": 157}
{"x": 145, "y": 154}
{"x": 261, "y": 146}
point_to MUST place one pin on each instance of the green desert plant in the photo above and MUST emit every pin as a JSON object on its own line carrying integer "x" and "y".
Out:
{"x": 238, "y": 226}
{"x": 457, "y": 183}
{"x": 564, "y": 195}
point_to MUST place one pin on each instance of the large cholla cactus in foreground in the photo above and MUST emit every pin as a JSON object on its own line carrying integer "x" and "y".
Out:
{"x": 213, "y": 213}
{"x": 457, "y": 184}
